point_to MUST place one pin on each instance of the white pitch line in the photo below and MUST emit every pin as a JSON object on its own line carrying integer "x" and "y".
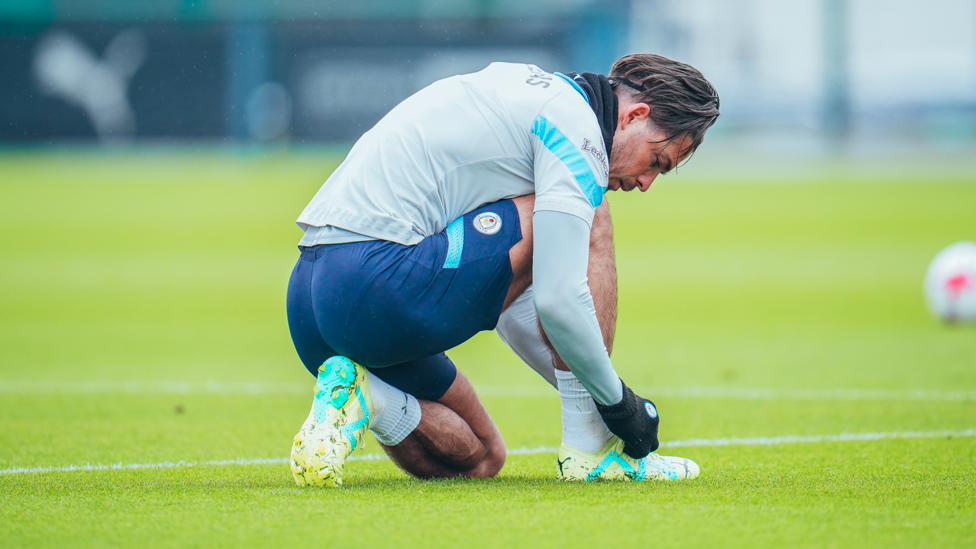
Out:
{"x": 156, "y": 387}
{"x": 792, "y": 439}
{"x": 752, "y": 441}
{"x": 508, "y": 391}
{"x": 753, "y": 393}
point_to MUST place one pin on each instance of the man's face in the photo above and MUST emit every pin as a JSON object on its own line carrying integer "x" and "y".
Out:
{"x": 640, "y": 152}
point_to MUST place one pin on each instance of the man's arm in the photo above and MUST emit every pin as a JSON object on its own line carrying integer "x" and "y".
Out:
{"x": 564, "y": 303}
{"x": 568, "y": 316}
{"x": 570, "y": 182}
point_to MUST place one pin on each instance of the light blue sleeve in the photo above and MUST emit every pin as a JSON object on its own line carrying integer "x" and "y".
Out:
{"x": 568, "y": 156}
{"x": 561, "y": 251}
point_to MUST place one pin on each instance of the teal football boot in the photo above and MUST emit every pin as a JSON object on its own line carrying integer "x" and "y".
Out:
{"x": 610, "y": 462}
{"x": 336, "y": 425}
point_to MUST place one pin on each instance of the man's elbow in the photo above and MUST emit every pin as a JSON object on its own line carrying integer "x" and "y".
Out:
{"x": 548, "y": 304}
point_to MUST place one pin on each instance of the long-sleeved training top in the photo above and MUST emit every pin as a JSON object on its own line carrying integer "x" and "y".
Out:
{"x": 506, "y": 131}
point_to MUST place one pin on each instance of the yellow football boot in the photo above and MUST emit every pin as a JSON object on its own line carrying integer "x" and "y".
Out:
{"x": 335, "y": 426}
{"x": 610, "y": 462}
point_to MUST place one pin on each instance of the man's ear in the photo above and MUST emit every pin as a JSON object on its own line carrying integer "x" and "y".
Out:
{"x": 636, "y": 112}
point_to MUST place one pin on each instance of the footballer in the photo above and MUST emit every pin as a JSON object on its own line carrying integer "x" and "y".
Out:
{"x": 478, "y": 204}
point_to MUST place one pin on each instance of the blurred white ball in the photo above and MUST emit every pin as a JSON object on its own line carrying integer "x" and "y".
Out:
{"x": 950, "y": 283}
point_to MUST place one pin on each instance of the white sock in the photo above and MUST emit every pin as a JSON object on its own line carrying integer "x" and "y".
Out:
{"x": 395, "y": 413}
{"x": 583, "y": 428}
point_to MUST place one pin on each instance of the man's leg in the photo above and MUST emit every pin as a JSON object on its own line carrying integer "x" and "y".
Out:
{"x": 455, "y": 437}
{"x": 601, "y": 276}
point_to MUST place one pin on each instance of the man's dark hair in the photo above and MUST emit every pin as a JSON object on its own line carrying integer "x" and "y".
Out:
{"x": 682, "y": 102}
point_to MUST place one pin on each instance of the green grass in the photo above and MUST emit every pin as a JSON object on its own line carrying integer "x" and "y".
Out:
{"x": 167, "y": 268}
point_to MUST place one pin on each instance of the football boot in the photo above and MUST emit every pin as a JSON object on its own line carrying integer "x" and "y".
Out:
{"x": 610, "y": 462}
{"x": 335, "y": 426}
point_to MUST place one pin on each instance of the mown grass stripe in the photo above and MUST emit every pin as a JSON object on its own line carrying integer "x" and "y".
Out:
{"x": 750, "y": 441}
{"x": 793, "y": 439}
{"x": 511, "y": 391}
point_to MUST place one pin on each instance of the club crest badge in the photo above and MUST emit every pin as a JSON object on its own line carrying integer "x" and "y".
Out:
{"x": 487, "y": 223}
{"x": 650, "y": 409}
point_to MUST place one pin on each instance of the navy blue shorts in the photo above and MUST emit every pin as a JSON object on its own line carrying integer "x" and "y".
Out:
{"x": 395, "y": 309}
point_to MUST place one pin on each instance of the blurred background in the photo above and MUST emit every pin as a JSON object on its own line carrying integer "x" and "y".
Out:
{"x": 167, "y": 146}
{"x": 800, "y": 78}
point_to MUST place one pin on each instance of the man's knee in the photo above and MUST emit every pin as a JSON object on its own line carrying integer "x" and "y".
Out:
{"x": 485, "y": 464}
{"x": 494, "y": 461}
{"x": 475, "y": 459}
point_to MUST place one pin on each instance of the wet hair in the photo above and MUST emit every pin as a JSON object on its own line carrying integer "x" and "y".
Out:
{"x": 682, "y": 102}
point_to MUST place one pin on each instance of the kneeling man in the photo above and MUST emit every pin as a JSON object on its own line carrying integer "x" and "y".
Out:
{"x": 477, "y": 204}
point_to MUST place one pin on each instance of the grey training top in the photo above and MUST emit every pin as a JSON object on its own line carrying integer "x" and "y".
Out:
{"x": 506, "y": 131}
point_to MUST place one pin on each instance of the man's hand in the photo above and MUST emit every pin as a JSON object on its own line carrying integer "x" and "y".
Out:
{"x": 634, "y": 419}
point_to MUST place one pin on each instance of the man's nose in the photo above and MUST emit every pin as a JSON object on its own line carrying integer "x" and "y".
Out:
{"x": 644, "y": 181}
